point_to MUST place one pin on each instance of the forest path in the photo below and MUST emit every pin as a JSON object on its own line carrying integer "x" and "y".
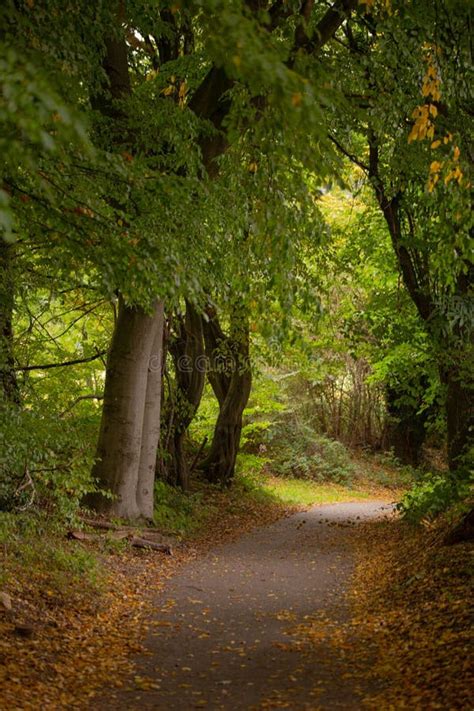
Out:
{"x": 224, "y": 632}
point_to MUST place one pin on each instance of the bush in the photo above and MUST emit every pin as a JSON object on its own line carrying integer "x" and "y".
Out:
{"x": 298, "y": 451}
{"x": 177, "y": 511}
{"x": 31, "y": 542}
{"x": 44, "y": 460}
{"x": 432, "y": 496}
{"x": 251, "y": 465}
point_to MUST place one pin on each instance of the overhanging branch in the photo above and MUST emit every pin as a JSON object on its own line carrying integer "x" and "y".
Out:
{"x": 48, "y": 366}
{"x": 348, "y": 154}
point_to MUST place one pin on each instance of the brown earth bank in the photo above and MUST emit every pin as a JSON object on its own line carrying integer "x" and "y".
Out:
{"x": 412, "y": 601}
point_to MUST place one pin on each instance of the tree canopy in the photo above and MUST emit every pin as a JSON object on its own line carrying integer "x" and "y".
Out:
{"x": 249, "y": 185}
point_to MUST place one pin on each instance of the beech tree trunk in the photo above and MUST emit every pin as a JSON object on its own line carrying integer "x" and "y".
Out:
{"x": 129, "y": 431}
{"x": 151, "y": 420}
{"x": 8, "y": 384}
{"x": 187, "y": 350}
{"x": 231, "y": 379}
{"x": 130, "y": 425}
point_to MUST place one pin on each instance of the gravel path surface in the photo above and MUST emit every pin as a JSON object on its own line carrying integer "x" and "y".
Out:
{"x": 222, "y": 637}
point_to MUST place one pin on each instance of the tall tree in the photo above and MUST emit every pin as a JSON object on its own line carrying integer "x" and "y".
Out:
{"x": 119, "y": 457}
{"x": 406, "y": 125}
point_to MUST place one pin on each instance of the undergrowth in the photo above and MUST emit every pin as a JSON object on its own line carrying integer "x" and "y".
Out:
{"x": 434, "y": 494}
{"x": 31, "y": 542}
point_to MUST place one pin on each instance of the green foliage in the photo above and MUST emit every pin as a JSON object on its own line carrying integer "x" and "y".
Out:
{"x": 252, "y": 465}
{"x": 176, "y": 511}
{"x": 97, "y": 202}
{"x": 44, "y": 461}
{"x": 203, "y": 423}
{"x": 35, "y": 541}
{"x": 433, "y": 495}
{"x": 301, "y": 453}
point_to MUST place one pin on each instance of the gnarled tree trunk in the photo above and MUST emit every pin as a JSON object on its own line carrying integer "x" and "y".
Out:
{"x": 187, "y": 350}
{"x": 231, "y": 379}
{"x": 406, "y": 428}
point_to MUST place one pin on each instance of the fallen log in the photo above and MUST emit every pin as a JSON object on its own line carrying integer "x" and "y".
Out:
{"x": 83, "y": 536}
{"x": 135, "y": 541}
{"x": 144, "y": 543}
{"x": 106, "y": 525}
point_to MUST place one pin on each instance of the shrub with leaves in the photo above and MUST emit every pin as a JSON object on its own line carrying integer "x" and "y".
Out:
{"x": 302, "y": 453}
{"x": 44, "y": 461}
{"x": 433, "y": 495}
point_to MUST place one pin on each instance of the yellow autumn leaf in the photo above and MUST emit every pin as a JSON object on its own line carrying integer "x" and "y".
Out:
{"x": 436, "y": 144}
{"x": 432, "y": 183}
{"x": 458, "y": 174}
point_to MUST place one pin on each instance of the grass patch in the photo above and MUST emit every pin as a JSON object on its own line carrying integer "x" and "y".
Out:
{"x": 301, "y": 492}
{"x": 192, "y": 514}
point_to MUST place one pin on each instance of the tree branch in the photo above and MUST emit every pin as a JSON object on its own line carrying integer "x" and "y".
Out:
{"x": 79, "y": 399}
{"x": 326, "y": 27}
{"x": 47, "y": 366}
{"x": 349, "y": 155}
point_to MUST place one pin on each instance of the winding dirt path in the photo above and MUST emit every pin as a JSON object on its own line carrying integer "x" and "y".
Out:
{"x": 224, "y": 632}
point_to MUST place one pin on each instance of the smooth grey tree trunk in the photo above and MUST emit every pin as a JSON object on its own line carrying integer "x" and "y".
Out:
{"x": 127, "y": 397}
{"x": 151, "y": 420}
